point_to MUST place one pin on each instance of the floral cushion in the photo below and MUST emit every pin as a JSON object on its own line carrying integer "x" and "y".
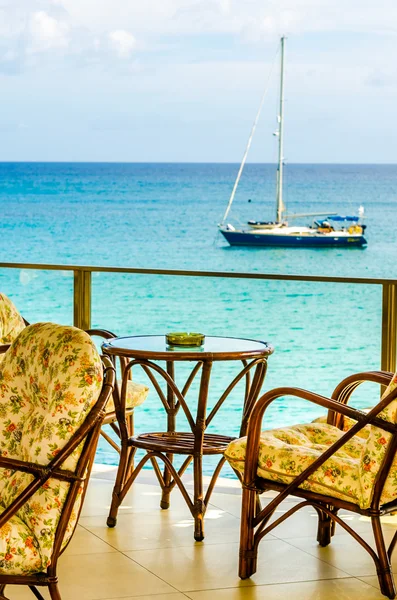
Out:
{"x": 374, "y": 452}
{"x": 348, "y": 423}
{"x": 284, "y": 453}
{"x": 19, "y": 549}
{"x": 11, "y": 322}
{"x": 349, "y": 474}
{"x": 136, "y": 395}
{"x": 49, "y": 380}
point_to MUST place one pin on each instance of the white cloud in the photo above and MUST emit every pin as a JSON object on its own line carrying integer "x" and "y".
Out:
{"x": 235, "y": 16}
{"x": 122, "y": 42}
{"x": 47, "y": 32}
{"x": 109, "y": 32}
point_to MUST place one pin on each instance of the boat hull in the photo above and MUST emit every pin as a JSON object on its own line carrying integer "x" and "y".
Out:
{"x": 242, "y": 238}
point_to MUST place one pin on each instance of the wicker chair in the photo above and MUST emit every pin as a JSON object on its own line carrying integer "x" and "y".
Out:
{"x": 11, "y": 323}
{"x": 329, "y": 467}
{"x": 53, "y": 393}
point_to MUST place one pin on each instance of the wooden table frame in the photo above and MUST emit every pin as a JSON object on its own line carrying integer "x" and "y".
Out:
{"x": 194, "y": 444}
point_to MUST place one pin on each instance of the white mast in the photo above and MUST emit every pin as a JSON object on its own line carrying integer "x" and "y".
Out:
{"x": 279, "y": 196}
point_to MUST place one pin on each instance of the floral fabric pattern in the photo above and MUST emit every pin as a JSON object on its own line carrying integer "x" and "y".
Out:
{"x": 285, "y": 453}
{"x": 11, "y": 322}
{"x": 349, "y": 474}
{"x": 348, "y": 423}
{"x": 18, "y": 548}
{"x": 50, "y": 378}
{"x": 136, "y": 395}
{"x": 374, "y": 452}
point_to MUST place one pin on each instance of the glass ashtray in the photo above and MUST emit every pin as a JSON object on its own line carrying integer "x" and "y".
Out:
{"x": 184, "y": 338}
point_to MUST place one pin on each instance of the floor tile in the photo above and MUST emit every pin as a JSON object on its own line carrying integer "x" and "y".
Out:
{"x": 304, "y": 522}
{"x": 100, "y": 577}
{"x": 372, "y": 580}
{"x": 84, "y": 542}
{"x": 176, "y": 596}
{"x": 211, "y": 566}
{"x": 340, "y": 589}
{"x": 141, "y": 497}
{"x": 163, "y": 529}
{"x": 228, "y": 502}
{"x": 301, "y": 524}
{"x": 345, "y": 553}
{"x": 232, "y": 502}
{"x": 161, "y": 561}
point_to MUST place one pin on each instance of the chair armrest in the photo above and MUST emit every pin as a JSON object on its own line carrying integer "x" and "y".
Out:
{"x": 347, "y": 386}
{"x": 101, "y": 333}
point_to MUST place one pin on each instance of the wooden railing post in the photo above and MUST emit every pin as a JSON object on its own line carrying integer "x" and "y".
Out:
{"x": 82, "y": 299}
{"x": 389, "y": 327}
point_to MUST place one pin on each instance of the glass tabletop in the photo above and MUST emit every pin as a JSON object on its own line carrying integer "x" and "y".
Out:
{"x": 214, "y": 347}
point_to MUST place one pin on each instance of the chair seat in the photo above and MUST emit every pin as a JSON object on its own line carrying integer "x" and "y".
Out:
{"x": 286, "y": 452}
{"x": 136, "y": 395}
{"x": 19, "y": 549}
{"x": 348, "y": 423}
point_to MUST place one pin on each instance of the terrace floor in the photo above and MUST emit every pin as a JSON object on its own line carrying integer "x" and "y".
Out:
{"x": 151, "y": 554}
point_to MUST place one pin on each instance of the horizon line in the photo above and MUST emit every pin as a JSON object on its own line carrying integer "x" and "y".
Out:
{"x": 174, "y": 162}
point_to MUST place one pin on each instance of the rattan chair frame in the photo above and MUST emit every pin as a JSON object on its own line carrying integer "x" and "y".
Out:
{"x": 255, "y": 522}
{"x": 87, "y": 434}
{"x": 112, "y": 418}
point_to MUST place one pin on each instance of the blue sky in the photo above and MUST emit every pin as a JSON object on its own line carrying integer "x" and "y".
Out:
{"x": 180, "y": 80}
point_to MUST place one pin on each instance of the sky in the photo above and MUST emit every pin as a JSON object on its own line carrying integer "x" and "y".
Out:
{"x": 181, "y": 80}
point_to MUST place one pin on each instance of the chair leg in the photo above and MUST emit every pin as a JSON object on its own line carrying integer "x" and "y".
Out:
{"x": 258, "y": 504}
{"x": 2, "y": 592}
{"x": 166, "y": 490}
{"x": 54, "y": 591}
{"x": 333, "y": 526}
{"x": 325, "y": 529}
{"x": 248, "y": 551}
{"x": 130, "y": 427}
{"x": 385, "y": 575}
{"x": 36, "y": 592}
{"x": 121, "y": 478}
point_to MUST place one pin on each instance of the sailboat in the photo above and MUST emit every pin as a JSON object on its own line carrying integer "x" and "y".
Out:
{"x": 332, "y": 230}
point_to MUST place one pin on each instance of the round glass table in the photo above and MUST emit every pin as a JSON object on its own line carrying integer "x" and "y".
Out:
{"x": 147, "y": 352}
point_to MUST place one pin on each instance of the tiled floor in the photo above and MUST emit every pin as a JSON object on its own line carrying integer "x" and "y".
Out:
{"x": 151, "y": 554}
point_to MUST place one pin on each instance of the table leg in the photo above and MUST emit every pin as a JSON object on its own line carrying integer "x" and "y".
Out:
{"x": 199, "y": 507}
{"x": 198, "y": 502}
{"x": 126, "y": 456}
{"x": 171, "y": 423}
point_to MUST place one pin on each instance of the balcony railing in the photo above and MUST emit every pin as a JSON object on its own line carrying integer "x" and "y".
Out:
{"x": 82, "y": 293}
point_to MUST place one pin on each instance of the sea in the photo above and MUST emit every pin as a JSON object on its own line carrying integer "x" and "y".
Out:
{"x": 157, "y": 215}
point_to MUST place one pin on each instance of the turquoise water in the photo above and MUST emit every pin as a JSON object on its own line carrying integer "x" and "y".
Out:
{"x": 165, "y": 216}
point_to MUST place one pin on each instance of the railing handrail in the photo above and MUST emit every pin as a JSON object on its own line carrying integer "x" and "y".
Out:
{"x": 197, "y": 273}
{"x": 82, "y": 289}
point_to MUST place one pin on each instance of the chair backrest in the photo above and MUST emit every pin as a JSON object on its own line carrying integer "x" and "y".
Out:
{"x": 50, "y": 379}
{"x": 11, "y": 322}
{"x": 374, "y": 452}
